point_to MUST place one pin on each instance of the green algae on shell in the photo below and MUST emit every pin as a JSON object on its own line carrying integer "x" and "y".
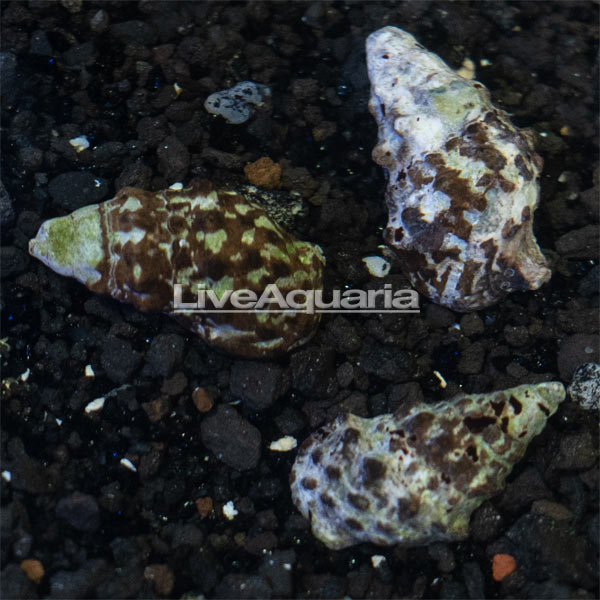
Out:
{"x": 138, "y": 245}
{"x": 416, "y": 476}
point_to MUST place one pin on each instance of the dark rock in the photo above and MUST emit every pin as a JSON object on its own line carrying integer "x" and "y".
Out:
{"x": 289, "y": 421}
{"x": 12, "y": 260}
{"x": 526, "y": 488}
{"x": 119, "y": 359}
{"x": 136, "y": 174}
{"x": 204, "y": 569}
{"x": 29, "y": 475}
{"x": 453, "y": 590}
{"x": 260, "y": 543}
{"x": 8, "y": 78}
{"x": 231, "y": 438}
{"x": 39, "y": 44}
{"x": 444, "y": 556}
{"x": 486, "y": 523}
{"x": 244, "y": 587}
{"x": 153, "y": 130}
{"x": 345, "y": 337}
{"x": 258, "y": 384}
{"x": 79, "y": 55}
{"x": 590, "y": 284}
{"x": 31, "y": 158}
{"x": 66, "y": 585}
{"x": 103, "y": 307}
{"x": 185, "y": 534}
{"x": 345, "y": 374}
{"x": 471, "y": 324}
{"x": 133, "y": 31}
{"x": 545, "y": 549}
{"x": 355, "y": 403}
{"x": 580, "y": 243}
{"x": 80, "y": 511}
{"x": 387, "y": 362}
{"x": 324, "y": 586}
{"x": 277, "y": 569}
{"x": 404, "y": 395}
{"x": 576, "y": 350}
{"x": 173, "y": 159}
{"x": 439, "y": 317}
{"x": 165, "y": 355}
{"x": 15, "y": 585}
{"x": 127, "y": 584}
{"x": 313, "y": 371}
{"x": 516, "y": 335}
{"x": 473, "y": 578}
{"x": 7, "y": 213}
{"x": 577, "y": 451}
{"x": 75, "y": 189}
{"x": 471, "y": 359}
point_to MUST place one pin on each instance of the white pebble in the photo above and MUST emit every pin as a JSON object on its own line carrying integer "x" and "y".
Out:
{"x": 89, "y": 372}
{"x": 441, "y": 379}
{"x": 80, "y": 143}
{"x": 128, "y": 464}
{"x": 377, "y": 266}
{"x": 25, "y": 375}
{"x": 95, "y": 405}
{"x": 467, "y": 70}
{"x": 229, "y": 510}
{"x": 284, "y": 444}
{"x": 6, "y": 475}
{"x": 377, "y": 560}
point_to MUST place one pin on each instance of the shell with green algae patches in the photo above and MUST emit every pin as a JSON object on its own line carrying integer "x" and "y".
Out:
{"x": 136, "y": 246}
{"x": 416, "y": 476}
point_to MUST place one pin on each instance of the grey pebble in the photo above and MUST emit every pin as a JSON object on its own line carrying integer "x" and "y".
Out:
{"x": 231, "y": 438}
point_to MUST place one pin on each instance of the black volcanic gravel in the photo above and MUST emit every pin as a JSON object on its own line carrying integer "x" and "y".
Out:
{"x": 115, "y": 501}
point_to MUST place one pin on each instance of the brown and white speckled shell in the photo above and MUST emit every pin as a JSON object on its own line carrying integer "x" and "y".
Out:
{"x": 462, "y": 180}
{"x": 136, "y": 246}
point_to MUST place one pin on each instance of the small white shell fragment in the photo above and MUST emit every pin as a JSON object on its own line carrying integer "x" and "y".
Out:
{"x": 176, "y": 186}
{"x": 485, "y": 62}
{"x": 467, "y": 69}
{"x": 6, "y": 475}
{"x": 25, "y": 375}
{"x": 377, "y": 266}
{"x": 229, "y": 510}
{"x": 95, "y": 405}
{"x": 89, "y": 372}
{"x": 234, "y": 104}
{"x": 80, "y": 143}
{"x": 284, "y": 444}
{"x": 441, "y": 379}
{"x": 178, "y": 89}
{"x": 377, "y": 560}
{"x": 127, "y": 464}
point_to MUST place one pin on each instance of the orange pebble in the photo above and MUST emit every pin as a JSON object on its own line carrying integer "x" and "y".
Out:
{"x": 203, "y": 400}
{"x": 263, "y": 173}
{"x": 34, "y": 569}
{"x": 503, "y": 565}
{"x": 204, "y": 506}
